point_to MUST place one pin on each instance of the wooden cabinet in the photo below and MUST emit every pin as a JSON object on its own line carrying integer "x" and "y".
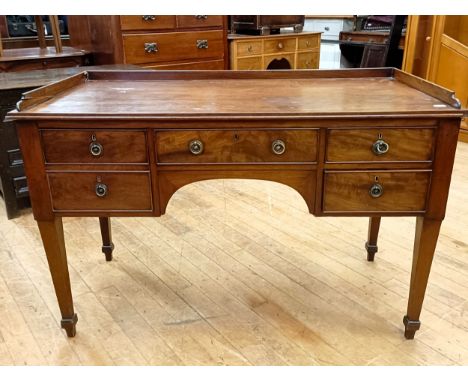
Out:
{"x": 153, "y": 41}
{"x": 437, "y": 50}
{"x": 281, "y": 51}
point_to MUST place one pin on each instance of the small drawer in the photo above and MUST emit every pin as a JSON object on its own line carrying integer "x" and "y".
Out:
{"x": 329, "y": 28}
{"x": 94, "y": 146}
{"x": 308, "y": 42}
{"x": 249, "y": 63}
{"x": 236, "y": 146}
{"x": 374, "y": 191}
{"x": 307, "y": 60}
{"x": 96, "y": 191}
{"x": 249, "y": 48}
{"x": 147, "y": 22}
{"x": 198, "y": 21}
{"x": 380, "y": 145}
{"x": 164, "y": 47}
{"x": 279, "y": 45}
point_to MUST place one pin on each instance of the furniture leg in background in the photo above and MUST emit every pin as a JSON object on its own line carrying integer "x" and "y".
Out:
{"x": 106, "y": 234}
{"x": 373, "y": 233}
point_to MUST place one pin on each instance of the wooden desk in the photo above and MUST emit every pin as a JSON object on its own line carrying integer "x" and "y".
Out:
{"x": 279, "y": 51}
{"x": 369, "y": 142}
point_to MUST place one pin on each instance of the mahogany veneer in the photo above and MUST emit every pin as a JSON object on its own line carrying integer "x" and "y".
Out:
{"x": 122, "y": 143}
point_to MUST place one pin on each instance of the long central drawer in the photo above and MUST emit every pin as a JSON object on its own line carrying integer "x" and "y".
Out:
{"x": 237, "y": 146}
{"x": 160, "y": 47}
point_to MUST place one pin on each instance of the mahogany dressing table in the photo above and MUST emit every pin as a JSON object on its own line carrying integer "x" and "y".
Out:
{"x": 357, "y": 142}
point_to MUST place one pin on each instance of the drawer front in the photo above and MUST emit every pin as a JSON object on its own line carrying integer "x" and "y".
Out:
{"x": 147, "y": 22}
{"x": 237, "y": 146}
{"x": 249, "y": 48}
{"x": 249, "y": 63}
{"x": 94, "y": 146}
{"x": 118, "y": 191}
{"x": 329, "y": 28}
{"x": 399, "y": 191}
{"x": 360, "y": 145}
{"x": 308, "y": 42}
{"x": 199, "y": 21}
{"x": 279, "y": 45}
{"x": 160, "y": 47}
{"x": 307, "y": 60}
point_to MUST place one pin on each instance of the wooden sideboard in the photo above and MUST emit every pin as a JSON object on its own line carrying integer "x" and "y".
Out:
{"x": 122, "y": 143}
{"x": 153, "y": 42}
{"x": 280, "y": 51}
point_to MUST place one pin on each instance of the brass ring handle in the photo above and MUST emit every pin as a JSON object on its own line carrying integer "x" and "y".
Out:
{"x": 376, "y": 190}
{"x": 307, "y": 43}
{"x": 249, "y": 49}
{"x": 95, "y": 148}
{"x": 280, "y": 45}
{"x": 196, "y": 147}
{"x": 278, "y": 147}
{"x": 380, "y": 147}
{"x": 201, "y": 17}
{"x": 148, "y": 18}
{"x": 202, "y": 44}
{"x": 101, "y": 190}
{"x": 151, "y": 47}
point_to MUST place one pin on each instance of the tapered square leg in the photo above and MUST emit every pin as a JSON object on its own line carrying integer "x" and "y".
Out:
{"x": 106, "y": 234}
{"x": 54, "y": 245}
{"x": 373, "y": 233}
{"x": 427, "y": 232}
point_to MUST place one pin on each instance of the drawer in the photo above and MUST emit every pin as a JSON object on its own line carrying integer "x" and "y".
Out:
{"x": 236, "y": 146}
{"x": 199, "y": 21}
{"x": 119, "y": 191}
{"x": 147, "y": 22}
{"x": 249, "y": 63}
{"x": 307, "y": 60}
{"x": 94, "y": 146}
{"x": 249, "y": 48}
{"x": 394, "y": 191}
{"x": 380, "y": 145}
{"x": 279, "y": 45}
{"x": 329, "y": 28}
{"x": 160, "y": 47}
{"x": 308, "y": 42}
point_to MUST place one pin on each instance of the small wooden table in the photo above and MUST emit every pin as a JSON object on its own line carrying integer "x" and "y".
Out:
{"x": 363, "y": 142}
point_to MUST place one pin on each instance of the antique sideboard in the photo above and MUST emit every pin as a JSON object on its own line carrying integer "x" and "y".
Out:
{"x": 357, "y": 142}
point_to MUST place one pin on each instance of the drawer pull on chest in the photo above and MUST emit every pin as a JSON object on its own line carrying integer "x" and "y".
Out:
{"x": 280, "y": 45}
{"x": 202, "y": 44}
{"x": 151, "y": 47}
{"x": 201, "y": 17}
{"x": 196, "y": 147}
{"x": 380, "y": 147}
{"x": 148, "y": 18}
{"x": 278, "y": 147}
{"x": 376, "y": 190}
{"x": 101, "y": 190}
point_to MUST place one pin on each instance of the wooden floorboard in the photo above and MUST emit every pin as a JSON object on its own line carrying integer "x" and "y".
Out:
{"x": 236, "y": 273}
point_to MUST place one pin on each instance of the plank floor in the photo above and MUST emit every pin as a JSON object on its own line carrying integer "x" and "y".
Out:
{"x": 236, "y": 273}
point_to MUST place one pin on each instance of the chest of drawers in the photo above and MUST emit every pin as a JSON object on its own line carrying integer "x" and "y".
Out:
{"x": 294, "y": 50}
{"x": 122, "y": 143}
{"x": 154, "y": 41}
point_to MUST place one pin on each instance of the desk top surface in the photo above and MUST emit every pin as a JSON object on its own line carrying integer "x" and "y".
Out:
{"x": 211, "y": 93}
